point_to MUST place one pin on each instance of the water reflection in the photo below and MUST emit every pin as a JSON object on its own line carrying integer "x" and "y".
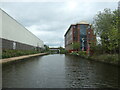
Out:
{"x": 82, "y": 73}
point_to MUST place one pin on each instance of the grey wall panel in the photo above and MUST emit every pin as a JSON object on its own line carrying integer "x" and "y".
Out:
{"x": 20, "y": 46}
{"x": 0, "y": 44}
{"x": 8, "y": 44}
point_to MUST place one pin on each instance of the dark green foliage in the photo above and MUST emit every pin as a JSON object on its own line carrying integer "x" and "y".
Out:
{"x": 46, "y": 48}
{"x": 14, "y": 53}
{"x": 61, "y": 48}
{"x": 106, "y": 27}
{"x": 97, "y": 49}
{"x": 74, "y": 53}
{"x": 82, "y": 53}
{"x": 63, "y": 51}
{"x": 76, "y": 45}
{"x": 108, "y": 58}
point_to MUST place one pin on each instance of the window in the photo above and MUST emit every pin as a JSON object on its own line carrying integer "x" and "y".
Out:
{"x": 83, "y": 29}
{"x": 14, "y": 45}
{"x": 88, "y": 32}
{"x": 73, "y": 26}
{"x": 88, "y": 27}
{"x": 70, "y": 32}
{"x": 83, "y": 34}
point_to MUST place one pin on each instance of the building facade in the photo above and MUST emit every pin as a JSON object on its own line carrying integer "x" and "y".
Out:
{"x": 15, "y": 36}
{"x": 80, "y": 33}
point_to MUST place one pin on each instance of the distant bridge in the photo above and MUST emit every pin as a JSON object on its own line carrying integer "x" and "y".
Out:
{"x": 55, "y": 50}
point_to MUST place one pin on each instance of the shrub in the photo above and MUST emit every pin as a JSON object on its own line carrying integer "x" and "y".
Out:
{"x": 14, "y": 53}
{"x": 63, "y": 51}
{"x": 82, "y": 53}
{"x": 74, "y": 53}
{"x": 110, "y": 58}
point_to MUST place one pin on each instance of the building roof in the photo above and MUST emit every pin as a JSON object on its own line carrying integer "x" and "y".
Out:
{"x": 69, "y": 28}
{"x": 82, "y": 22}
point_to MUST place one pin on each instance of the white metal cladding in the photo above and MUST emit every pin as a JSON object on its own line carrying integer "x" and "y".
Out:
{"x": 0, "y": 31}
{"x": 0, "y": 23}
{"x": 12, "y": 30}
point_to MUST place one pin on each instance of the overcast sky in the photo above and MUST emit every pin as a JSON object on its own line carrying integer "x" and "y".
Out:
{"x": 50, "y": 20}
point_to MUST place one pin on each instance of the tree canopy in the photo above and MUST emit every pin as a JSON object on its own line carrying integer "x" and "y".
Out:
{"x": 106, "y": 27}
{"x": 76, "y": 45}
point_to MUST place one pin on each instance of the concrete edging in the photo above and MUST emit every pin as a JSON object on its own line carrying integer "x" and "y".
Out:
{"x": 20, "y": 57}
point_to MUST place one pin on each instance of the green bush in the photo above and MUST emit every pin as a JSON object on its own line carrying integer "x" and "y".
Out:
{"x": 82, "y": 53}
{"x": 63, "y": 51}
{"x": 74, "y": 53}
{"x": 110, "y": 58}
{"x": 14, "y": 53}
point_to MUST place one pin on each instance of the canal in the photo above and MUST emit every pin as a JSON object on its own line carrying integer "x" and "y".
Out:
{"x": 58, "y": 71}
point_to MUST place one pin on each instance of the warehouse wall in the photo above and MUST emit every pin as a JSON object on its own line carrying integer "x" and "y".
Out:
{"x": 0, "y": 29}
{"x": 14, "y": 33}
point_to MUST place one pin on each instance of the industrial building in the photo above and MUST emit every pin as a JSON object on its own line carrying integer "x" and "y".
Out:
{"x": 15, "y": 36}
{"x": 81, "y": 33}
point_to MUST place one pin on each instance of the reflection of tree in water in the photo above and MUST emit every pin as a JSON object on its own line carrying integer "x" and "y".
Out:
{"x": 74, "y": 72}
{"x": 83, "y": 73}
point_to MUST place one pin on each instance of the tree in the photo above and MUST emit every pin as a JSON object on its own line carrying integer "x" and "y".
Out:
{"x": 76, "y": 45}
{"x": 46, "y": 48}
{"x": 96, "y": 49}
{"x": 61, "y": 48}
{"x": 116, "y": 26}
{"x": 106, "y": 26}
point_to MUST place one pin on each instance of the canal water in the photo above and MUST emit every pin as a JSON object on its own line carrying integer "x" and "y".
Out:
{"x": 58, "y": 71}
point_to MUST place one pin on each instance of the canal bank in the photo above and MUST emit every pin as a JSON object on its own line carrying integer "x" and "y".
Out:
{"x": 101, "y": 59}
{"x": 20, "y": 57}
{"x": 105, "y": 58}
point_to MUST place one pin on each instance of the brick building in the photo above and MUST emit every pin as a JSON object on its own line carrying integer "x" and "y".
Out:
{"x": 81, "y": 33}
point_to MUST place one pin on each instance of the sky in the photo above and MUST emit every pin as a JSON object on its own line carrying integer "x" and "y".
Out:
{"x": 49, "y": 20}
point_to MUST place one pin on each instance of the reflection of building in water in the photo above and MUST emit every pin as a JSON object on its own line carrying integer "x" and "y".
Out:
{"x": 15, "y": 36}
{"x": 81, "y": 33}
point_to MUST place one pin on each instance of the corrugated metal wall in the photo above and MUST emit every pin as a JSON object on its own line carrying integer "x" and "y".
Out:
{"x": 14, "y": 31}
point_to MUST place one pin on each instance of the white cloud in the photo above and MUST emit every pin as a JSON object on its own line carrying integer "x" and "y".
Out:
{"x": 50, "y": 20}
{"x": 58, "y": 0}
